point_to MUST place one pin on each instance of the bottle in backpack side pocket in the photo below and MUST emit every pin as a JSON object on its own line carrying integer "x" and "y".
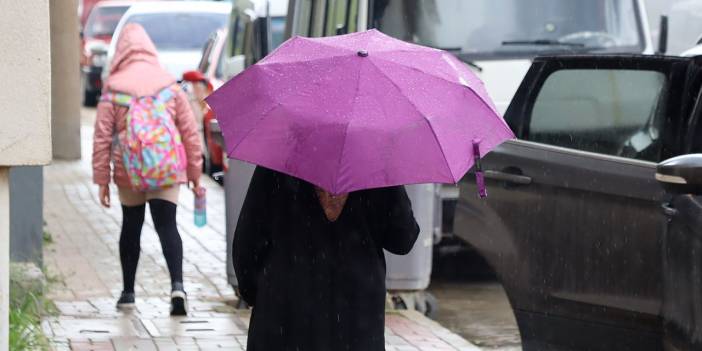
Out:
{"x": 200, "y": 207}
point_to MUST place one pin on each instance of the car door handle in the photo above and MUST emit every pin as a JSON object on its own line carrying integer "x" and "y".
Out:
{"x": 508, "y": 177}
{"x": 669, "y": 211}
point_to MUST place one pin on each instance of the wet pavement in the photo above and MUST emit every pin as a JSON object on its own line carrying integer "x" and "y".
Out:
{"x": 471, "y": 300}
{"x": 478, "y": 311}
{"x": 84, "y": 258}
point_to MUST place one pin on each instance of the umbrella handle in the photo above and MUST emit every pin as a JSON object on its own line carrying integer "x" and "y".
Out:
{"x": 479, "y": 176}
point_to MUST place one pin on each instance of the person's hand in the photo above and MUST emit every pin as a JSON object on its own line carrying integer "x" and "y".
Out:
{"x": 104, "y": 194}
{"x": 194, "y": 185}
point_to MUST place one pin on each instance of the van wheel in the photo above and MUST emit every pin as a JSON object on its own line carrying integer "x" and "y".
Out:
{"x": 205, "y": 165}
{"x": 431, "y": 305}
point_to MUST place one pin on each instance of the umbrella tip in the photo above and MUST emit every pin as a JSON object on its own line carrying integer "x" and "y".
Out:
{"x": 362, "y": 53}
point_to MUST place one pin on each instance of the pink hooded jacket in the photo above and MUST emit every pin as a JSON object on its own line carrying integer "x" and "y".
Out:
{"x": 136, "y": 71}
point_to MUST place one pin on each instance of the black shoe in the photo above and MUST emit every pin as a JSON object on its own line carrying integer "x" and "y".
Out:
{"x": 126, "y": 301}
{"x": 179, "y": 300}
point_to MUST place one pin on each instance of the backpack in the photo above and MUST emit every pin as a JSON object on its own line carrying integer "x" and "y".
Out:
{"x": 152, "y": 151}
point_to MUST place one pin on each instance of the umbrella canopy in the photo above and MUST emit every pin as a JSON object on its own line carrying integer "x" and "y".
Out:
{"x": 358, "y": 111}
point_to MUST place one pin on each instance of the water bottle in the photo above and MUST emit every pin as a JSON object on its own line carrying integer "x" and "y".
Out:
{"x": 200, "y": 208}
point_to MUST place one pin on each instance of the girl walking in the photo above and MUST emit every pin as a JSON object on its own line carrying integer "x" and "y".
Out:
{"x": 146, "y": 130}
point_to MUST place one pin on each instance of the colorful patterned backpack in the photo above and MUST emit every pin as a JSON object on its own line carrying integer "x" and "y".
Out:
{"x": 152, "y": 150}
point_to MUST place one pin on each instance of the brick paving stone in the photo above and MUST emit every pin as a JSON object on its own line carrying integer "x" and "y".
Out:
{"x": 84, "y": 256}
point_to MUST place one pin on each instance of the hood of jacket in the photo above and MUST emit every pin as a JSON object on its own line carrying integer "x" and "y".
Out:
{"x": 135, "y": 68}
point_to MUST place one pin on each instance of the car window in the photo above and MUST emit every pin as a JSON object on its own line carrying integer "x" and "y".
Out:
{"x": 341, "y": 17}
{"x": 219, "y": 73}
{"x": 237, "y": 36}
{"x": 180, "y": 31}
{"x": 103, "y": 21}
{"x": 304, "y": 19}
{"x": 614, "y": 112}
{"x": 248, "y": 43}
{"x": 336, "y": 17}
{"x": 277, "y": 31}
{"x": 206, "y": 51}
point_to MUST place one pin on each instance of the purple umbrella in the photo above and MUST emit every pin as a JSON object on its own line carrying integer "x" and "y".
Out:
{"x": 359, "y": 111}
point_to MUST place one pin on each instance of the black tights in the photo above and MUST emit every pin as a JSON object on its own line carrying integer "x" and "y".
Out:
{"x": 163, "y": 214}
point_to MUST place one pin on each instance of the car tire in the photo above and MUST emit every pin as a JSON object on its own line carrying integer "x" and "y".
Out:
{"x": 205, "y": 164}
{"x": 431, "y": 305}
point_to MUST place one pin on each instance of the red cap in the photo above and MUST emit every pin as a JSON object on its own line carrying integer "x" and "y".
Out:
{"x": 194, "y": 76}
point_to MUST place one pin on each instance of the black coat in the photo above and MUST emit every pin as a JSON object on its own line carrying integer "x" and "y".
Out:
{"x": 317, "y": 285}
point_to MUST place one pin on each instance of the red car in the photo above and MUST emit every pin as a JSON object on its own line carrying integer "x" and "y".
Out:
{"x": 202, "y": 82}
{"x": 95, "y": 40}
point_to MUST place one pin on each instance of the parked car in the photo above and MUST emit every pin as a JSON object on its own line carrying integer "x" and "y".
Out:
{"x": 260, "y": 27}
{"x": 198, "y": 87}
{"x": 682, "y": 254}
{"x": 95, "y": 39}
{"x": 256, "y": 27}
{"x": 203, "y": 81}
{"x": 179, "y": 29}
{"x": 212, "y": 60}
{"x": 574, "y": 225}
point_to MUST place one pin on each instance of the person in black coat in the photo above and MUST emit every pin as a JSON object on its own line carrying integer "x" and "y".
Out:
{"x": 315, "y": 283}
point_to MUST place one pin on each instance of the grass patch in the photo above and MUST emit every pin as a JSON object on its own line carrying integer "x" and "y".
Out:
{"x": 48, "y": 239}
{"x": 27, "y": 306}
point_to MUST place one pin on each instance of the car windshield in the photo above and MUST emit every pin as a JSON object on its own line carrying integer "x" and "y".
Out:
{"x": 180, "y": 31}
{"x": 103, "y": 20}
{"x": 496, "y": 28}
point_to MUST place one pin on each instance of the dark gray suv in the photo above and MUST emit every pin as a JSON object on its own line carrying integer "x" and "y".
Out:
{"x": 576, "y": 225}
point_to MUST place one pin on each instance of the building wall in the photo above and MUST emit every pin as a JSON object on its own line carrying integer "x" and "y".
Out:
{"x": 26, "y": 215}
{"x": 65, "y": 79}
{"x": 25, "y": 92}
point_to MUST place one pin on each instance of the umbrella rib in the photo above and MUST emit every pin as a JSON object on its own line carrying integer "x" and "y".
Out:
{"x": 265, "y": 115}
{"x": 433, "y": 132}
{"x": 346, "y": 129}
{"x": 438, "y": 77}
{"x": 323, "y": 43}
{"x": 301, "y": 60}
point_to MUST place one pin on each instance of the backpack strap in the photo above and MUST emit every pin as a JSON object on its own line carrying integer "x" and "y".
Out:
{"x": 167, "y": 93}
{"x": 117, "y": 98}
{"x": 127, "y": 100}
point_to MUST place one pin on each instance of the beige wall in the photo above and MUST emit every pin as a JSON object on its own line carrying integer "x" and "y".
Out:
{"x": 25, "y": 68}
{"x": 4, "y": 257}
{"x": 25, "y": 111}
{"x": 65, "y": 79}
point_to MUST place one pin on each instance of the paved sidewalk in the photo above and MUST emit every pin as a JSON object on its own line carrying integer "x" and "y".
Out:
{"x": 84, "y": 255}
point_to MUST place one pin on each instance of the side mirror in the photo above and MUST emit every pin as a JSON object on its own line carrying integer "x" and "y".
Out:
{"x": 663, "y": 36}
{"x": 233, "y": 66}
{"x": 681, "y": 175}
